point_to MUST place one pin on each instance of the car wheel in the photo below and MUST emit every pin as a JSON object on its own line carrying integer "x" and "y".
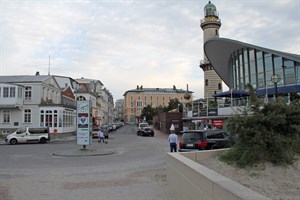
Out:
{"x": 43, "y": 140}
{"x": 13, "y": 141}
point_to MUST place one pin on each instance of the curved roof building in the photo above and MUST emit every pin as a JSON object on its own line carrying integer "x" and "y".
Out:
{"x": 267, "y": 70}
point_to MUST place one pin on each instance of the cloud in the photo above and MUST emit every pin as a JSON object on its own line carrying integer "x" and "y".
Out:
{"x": 126, "y": 43}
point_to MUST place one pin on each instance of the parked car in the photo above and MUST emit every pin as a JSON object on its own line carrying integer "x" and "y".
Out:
{"x": 203, "y": 140}
{"x": 145, "y": 130}
{"x": 28, "y": 135}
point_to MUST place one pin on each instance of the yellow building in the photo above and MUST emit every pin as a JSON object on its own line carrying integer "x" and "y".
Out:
{"x": 135, "y": 100}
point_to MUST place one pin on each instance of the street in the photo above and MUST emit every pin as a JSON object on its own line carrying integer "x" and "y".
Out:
{"x": 136, "y": 170}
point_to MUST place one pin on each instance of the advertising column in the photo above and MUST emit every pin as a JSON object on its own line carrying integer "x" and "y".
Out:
{"x": 83, "y": 123}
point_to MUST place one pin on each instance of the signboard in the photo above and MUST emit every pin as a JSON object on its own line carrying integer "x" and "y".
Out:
{"x": 217, "y": 122}
{"x": 83, "y": 123}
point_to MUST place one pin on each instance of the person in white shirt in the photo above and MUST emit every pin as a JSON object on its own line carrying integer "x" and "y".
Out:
{"x": 100, "y": 136}
{"x": 173, "y": 139}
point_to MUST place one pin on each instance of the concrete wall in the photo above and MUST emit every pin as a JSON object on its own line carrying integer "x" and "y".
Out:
{"x": 192, "y": 180}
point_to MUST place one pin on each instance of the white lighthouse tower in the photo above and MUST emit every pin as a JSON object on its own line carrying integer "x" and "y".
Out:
{"x": 210, "y": 26}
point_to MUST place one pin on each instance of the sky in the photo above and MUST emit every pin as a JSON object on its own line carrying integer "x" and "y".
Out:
{"x": 125, "y": 43}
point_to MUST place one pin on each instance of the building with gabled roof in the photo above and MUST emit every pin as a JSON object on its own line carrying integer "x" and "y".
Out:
{"x": 36, "y": 101}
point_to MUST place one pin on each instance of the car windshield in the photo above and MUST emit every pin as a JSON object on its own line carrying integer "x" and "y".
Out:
{"x": 192, "y": 136}
{"x": 143, "y": 125}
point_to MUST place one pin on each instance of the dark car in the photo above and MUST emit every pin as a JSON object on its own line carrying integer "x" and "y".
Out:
{"x": 146, "y": 131}
{"x": 203, "y": 140}
{"x": 95, "y": 132}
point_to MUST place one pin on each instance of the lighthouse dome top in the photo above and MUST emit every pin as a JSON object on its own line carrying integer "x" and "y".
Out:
{"x": 210, "y": 10}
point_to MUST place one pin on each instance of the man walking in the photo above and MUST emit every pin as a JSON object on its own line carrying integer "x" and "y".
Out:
{"x": 173, "y": 139}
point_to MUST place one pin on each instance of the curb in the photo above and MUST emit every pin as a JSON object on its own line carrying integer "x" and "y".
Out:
{"x": 87, "y": 152}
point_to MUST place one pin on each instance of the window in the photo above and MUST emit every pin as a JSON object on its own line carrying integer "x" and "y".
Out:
{"x": 6, "y": 116}
{"x": 12, "y": 92}
{"x": 268, "y": 68}
{"x": 28, "y": 93}
{"x": 278, "y": 68}
{"x": 49, "y": 118}
{"x": 55, "y": 118}
{"x": 252, "y": 68}
{"x": 289, "y": 72}
{"x": 42, "y": 117}
{"x": 27, "y": 116}
{"x": 220, "y": 86}
{"x": 206, "y": 82}
{"x": 260, "y": 70}
{"x": 217, "y": 32}
{"x": 68, "y": 118}
{"x": 246, "y": 66}
{"x": 81, "y": 98}
{"x": 297, "y": 66}
{"x": 20, "y": 92}
{"x": 241, "y": 69}
{"x": 5, "y": 92}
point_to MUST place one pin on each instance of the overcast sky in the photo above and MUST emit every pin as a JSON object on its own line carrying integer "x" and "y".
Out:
{"x": 125, "y": 43}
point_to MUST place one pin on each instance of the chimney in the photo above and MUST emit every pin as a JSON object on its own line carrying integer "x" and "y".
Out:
{"x": 37, "y": 73}
{"x": 174, "y": 87}
{"x": 141, "y": 87}
{"x": 137, "y": 87}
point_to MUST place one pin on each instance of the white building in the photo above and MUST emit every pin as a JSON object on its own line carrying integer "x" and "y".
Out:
{"x": 36, "y": 101}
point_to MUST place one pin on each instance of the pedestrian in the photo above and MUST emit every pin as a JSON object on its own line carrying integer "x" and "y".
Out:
{"x": 173, "y": 140}
{"x": 100, "y": 136}
{"x": 106, "y": 136}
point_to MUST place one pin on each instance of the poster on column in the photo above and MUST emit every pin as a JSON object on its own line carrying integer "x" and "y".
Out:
{"x": 83, "y": 123}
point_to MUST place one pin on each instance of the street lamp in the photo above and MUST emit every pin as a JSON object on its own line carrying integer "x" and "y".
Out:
{"x": 275, "y": 78}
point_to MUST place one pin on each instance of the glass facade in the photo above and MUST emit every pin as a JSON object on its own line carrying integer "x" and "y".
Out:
{"x": 257, "y": 67}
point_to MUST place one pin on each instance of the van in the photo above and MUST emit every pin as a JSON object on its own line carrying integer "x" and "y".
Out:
{"x": 28, "y": 135}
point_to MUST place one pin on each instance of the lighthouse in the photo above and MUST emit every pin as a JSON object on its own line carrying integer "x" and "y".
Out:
{"x": 210, "y": 26}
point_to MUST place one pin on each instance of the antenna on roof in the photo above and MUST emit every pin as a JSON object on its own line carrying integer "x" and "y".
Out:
{"x": 49, "y": 67}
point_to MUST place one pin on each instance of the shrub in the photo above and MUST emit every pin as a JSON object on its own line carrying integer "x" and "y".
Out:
{"x": 271, "y": 133}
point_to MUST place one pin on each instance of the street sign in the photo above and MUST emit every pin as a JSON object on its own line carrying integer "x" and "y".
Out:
{"x": 83, "y": 123}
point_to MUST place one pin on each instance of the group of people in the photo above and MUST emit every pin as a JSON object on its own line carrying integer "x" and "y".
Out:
{"x": 103, "y": 136}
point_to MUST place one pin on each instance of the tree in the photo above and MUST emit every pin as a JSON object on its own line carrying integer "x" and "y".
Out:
{"x": 173, "y": 104}
{"x": 150, "y": 112}
{"x": 147, "y": 112}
